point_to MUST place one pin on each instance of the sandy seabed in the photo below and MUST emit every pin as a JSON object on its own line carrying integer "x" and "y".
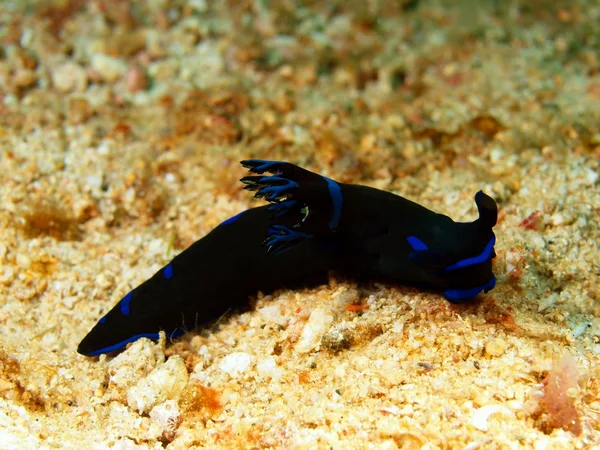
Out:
{"x": 121, "y": 127}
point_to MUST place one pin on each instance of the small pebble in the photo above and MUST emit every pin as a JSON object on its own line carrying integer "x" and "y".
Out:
{"x": 317, "y": 325}
{"x": 24, "y": 78}
{"x": 580, "y": 329}
{"x": 547, "y": 302}
{"x": 69, "y": 77}
{"x": 591, "y": 176}
{"x": 23, "y": 261}
{"x": 268, "y": 368}
{"x": 481, "y": 416}
{"x": 198, "y": 5}
{"x": 165, "y": 382}
{"x": 236, "y": 363}
{"x": 167, "y": 417}
{"x": 495, "y": 347}
{"x": 557, "y": 219}
{"x": 108, "y": 68}
{"x": 496, "y": 155}
{"x": 136, "y": 79}
{"x": 272, "y": 314}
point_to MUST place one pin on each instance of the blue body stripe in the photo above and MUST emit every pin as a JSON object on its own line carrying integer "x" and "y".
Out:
{"x": 120, "y": 345}
{"x": 462, "y": 295}
{"x": 168, "y": 271}
{"x": 232, "y": 219}
{"x": 125, "y": 304}
{"x": 484, "y": 256}
{"x": 416, "y": 243}
{"x": 338, "y": 200}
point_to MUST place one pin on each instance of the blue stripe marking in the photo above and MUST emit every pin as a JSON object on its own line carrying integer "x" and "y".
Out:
{"x": 102, "y": 320}
{"x": 484, "y": 256}
{"x": 336, "y": 197}
{"x": 265, "y": 165}
{"x": 272, "y": 191}
{"x": 120, "y": 345}
{"x": 168, "y": 271}
{"x": 232, "y": 219}
{"x": 125, "y": 304}
{"x": 416, "y": 243}
{"x": 462, "y": 295}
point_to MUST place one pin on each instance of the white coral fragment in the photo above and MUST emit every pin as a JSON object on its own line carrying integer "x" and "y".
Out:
{"x": 317, "y": 325}
{"x": 236, "y": 363}
{"x": 480, "y": 417}
{"x": 167, "y": 417}
{"x": 165, "y": 382}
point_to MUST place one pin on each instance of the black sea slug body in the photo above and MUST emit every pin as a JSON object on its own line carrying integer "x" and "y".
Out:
{"x": 312, "y": 225}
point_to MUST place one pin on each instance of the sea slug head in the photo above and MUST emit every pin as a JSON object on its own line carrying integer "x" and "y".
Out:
{"x": 457, "y": 257}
